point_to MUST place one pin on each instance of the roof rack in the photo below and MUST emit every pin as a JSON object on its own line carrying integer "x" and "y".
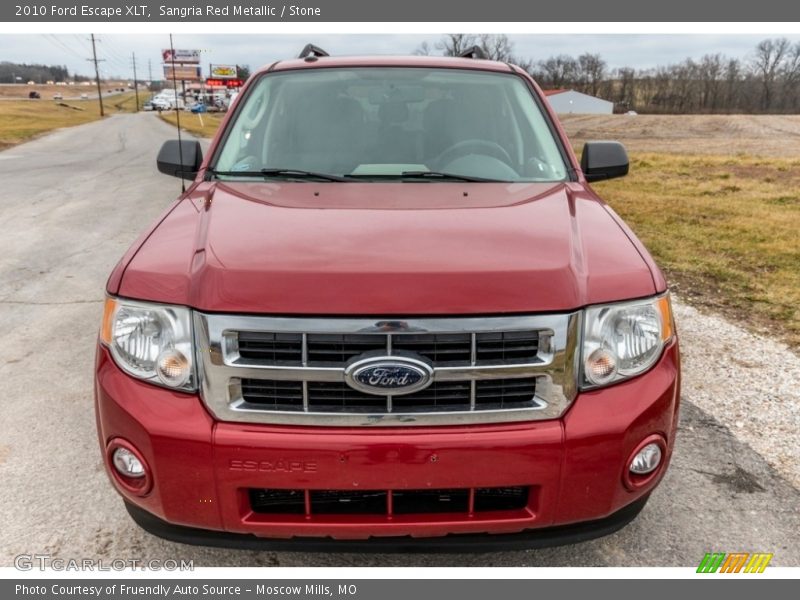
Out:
{"x": 312, "y": 50}
{"x": 474, "y": 52}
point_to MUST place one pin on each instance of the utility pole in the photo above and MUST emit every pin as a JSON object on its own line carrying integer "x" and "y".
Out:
{"x": 150, "y": 70}
{"x": 97, "y": 75}
{"x": 135, "y": 82}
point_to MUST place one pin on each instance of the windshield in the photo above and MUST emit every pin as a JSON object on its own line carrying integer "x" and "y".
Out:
{"x": 391, "y": 123}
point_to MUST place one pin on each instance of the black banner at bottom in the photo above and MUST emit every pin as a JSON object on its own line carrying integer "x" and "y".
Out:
{"x": 383, "y": 589}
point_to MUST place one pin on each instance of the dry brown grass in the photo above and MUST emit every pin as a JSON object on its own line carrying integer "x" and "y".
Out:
{"x": 724, "y": 228}
{"x": 21, "y": 120}
{"x": 8, "y": 90}
{"x": 754, "y": 135}
{"x": 202, "y": 124}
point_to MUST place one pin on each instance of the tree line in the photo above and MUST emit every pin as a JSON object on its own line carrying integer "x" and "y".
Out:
{"x": 768, "y": 81}
{"x": 23, "y": 73}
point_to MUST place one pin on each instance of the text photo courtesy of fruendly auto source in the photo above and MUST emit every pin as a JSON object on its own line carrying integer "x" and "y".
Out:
{"x": 400, "y": 300}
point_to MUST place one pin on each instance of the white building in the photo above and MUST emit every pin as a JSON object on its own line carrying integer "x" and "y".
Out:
{"x": 570, "y": 101}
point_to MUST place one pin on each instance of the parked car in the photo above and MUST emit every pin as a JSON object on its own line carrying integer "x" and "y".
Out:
{"x": 199, "y": 108}
{"x": 58, "y": 96}
{"x": 161, "y": 104}
{"x": 34, "y": 95}
{"x": 385, "y": 312}
{"x": 84, "y": 96}
{"x": 148, "y": 106}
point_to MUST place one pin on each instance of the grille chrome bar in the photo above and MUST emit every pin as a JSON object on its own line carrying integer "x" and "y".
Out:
{"x": 222, "y": 367}
{"x": 304, "y": 360}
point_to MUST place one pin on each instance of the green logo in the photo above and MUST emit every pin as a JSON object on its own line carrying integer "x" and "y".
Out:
{"x": 736, "y": 562}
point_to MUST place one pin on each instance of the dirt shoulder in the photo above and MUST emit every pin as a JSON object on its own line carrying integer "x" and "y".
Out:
{"x": 758, "y": 135}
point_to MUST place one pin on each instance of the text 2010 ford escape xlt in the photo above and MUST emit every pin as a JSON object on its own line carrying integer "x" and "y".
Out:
{"x": 388, "y": 307}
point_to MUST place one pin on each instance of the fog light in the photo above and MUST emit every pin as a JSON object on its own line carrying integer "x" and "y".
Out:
{"x": 646, "y": 460}
{"x": 601, "y": 366}
{"x": 127, "y": 464}
{"x": 173, "y": 368}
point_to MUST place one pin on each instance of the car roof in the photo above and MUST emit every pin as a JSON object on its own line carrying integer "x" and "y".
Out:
{"x": 440, "y": 62}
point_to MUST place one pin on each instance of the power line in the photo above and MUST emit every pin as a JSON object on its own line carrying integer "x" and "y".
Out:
{"x": 81, "y": 41}
{"x": 115, "y": 53}
{"x": 61, "y": 45}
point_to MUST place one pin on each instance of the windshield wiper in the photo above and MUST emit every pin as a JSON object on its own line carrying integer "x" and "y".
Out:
{"x": 439, "y": 176}
{"x": 272, "y": 172}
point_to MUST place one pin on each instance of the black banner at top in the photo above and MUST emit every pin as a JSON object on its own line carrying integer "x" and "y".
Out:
{"x": 400, "y": 11}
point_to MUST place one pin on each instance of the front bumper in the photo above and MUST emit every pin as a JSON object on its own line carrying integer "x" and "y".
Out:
{"x": 201, "y": 469}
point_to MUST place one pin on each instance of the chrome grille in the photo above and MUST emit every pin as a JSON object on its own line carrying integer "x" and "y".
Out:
{"x": 329, "y": 396}
{"x": 287, "y": 370}
{"x": 337, "y": 349}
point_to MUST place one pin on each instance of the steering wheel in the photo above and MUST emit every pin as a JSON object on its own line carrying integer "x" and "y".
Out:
{"x": 473, "y": 146}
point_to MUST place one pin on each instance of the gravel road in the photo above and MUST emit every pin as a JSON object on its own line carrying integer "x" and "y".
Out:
{"x": 73, "y": 201}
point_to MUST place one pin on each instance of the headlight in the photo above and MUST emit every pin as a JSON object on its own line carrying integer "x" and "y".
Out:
{"x": 624, "y": 340}
{"x": 151, "y": 341}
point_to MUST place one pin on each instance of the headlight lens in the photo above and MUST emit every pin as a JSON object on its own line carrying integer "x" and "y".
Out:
{"x": 151, "y": 341}
{"x": 624, "y": 340}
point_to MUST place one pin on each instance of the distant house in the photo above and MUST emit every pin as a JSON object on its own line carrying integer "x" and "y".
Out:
{"x": 570, "y": 101}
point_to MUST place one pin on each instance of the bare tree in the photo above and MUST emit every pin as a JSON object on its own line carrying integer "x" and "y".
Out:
{"x": 559, "y": 71}
{"x": 769, "y": 81}
{"x": 790, "y": 74}
{"x": 767, "y": 63}
{"x": 710, "y": 73}
{"x": 733, "y": 83}
{"x": 591, "y": 72}
{"x": 454, "y": 44}
{"x": 627, "y": 79}
{"x": 497, "y": 47}
{"x": 423, "y": 49}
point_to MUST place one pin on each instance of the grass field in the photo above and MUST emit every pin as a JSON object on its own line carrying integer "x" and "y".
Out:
{"x": 8, "y": 90}
{"x": 21, "y": 120}
{"x": 201, "y": 125}
{"x": 716, "y": 199}
{"x": 724, "y": 229}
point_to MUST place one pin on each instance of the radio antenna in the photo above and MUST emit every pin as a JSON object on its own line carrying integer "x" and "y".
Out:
{"x": 177, "y": 111}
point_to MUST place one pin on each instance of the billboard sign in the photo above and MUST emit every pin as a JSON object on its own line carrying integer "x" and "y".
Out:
{"x": 181, "y": 56}
{"x": 183, "y": 72}
{"x": 223, "y": 72}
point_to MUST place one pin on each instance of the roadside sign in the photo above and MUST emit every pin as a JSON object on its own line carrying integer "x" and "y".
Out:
{"x": 223, "y": 72}
{"x": 183, "y": 72}
{"x": 181, "y": 56}
{"x": 228, "y": 83}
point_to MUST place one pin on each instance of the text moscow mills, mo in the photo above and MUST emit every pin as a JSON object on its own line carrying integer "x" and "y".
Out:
{"x": 311, "y": 590}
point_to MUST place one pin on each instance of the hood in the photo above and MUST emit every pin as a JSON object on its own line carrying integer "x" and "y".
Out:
{"x": 388, "y": 249}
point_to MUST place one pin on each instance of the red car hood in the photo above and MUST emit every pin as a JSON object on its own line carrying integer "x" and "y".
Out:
{"x": 388, "y": 249}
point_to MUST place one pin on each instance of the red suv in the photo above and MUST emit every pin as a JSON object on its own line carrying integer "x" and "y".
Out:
{"x": 389, "y": 311}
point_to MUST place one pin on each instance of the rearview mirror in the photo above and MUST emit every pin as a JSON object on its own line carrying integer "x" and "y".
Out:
{"x": 604, "y": 160}
{"x": 180, "y": 158}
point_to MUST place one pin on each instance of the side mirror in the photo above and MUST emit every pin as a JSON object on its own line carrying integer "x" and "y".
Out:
{"x": 604, "y": 160}
{"x": 180, "y": 158}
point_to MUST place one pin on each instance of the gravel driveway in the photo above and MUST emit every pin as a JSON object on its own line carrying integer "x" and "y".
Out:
{"x": 74, "y": 200}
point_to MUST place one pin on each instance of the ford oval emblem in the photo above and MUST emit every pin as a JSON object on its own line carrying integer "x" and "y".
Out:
{"x": 389, "y": 375}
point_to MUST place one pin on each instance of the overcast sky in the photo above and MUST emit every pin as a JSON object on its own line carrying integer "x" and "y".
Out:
{"x": 639, "y": 51}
